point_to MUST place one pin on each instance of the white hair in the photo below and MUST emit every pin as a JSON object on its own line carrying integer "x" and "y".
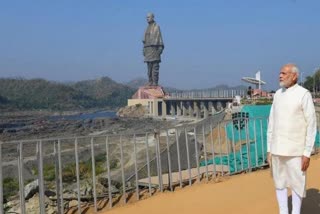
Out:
{"x": 295, "y": 69}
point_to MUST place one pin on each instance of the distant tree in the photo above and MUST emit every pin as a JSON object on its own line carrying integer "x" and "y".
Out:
{"x": 308, "y": 83}
{"x": 312, "y": 83}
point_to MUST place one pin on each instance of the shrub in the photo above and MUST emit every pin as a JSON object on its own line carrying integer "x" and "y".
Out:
{"x": 69, "y": 173}
{"x": 10, "y": 187}
{"x": 49, "y": 172}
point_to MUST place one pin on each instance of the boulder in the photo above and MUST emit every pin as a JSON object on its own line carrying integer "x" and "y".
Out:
{"x": 31, "y": 189}
{"x": 104, "y": 181}
{"x": 32, "y": 205}
{"x": 73, "y": 203}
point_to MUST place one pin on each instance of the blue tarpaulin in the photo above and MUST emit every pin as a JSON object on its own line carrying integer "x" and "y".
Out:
{"x": 250, "y": 129}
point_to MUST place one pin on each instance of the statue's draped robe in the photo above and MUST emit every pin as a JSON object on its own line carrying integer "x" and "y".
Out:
{"x": 153, "y": 43}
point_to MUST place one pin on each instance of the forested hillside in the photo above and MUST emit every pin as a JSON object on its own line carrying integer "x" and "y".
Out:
{"x": 24, "y": 94}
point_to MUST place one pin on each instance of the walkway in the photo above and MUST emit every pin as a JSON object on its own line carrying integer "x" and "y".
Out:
{"x": 246, "y": 193}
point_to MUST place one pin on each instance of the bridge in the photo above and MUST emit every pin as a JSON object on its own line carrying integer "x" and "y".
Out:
{"x": 192, "y": 104}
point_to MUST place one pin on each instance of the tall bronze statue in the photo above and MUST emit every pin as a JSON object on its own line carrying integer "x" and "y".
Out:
{"x": 152, "y": 49}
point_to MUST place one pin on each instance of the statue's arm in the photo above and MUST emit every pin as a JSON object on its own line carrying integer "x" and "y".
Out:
{"x": 143, "y": 49}
{"x": 160, "y": 49}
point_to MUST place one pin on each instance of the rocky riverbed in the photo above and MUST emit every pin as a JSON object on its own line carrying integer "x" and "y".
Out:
{"x": 35, "y": 126}
{"x": 32, "y": 126}
{"x": 14, "y": 128}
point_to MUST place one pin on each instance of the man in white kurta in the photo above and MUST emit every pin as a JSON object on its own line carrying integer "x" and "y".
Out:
{"x": 290, "y": 138}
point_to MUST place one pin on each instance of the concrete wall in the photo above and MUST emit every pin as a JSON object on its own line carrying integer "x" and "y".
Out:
{"x": 144, "y": 102}
{"x": 150, "y": 104}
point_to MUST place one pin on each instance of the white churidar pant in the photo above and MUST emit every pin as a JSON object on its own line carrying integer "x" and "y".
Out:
{"x": 286, "y": 171}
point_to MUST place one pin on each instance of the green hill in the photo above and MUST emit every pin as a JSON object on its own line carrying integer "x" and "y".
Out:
{"x": 31, "y": 94}
{"x": 105, "y": 91}
{"x": 136, "y": 83}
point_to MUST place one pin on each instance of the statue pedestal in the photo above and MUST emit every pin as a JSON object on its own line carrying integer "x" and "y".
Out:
{"x": 149, "y": 92}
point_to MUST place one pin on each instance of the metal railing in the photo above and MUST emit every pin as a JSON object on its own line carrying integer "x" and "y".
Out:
{"x": 116, "y": 167}
{"x": 207, "y": 94}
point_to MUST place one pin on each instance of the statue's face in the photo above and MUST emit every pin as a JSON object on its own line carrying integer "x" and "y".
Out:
{"x": 150, "y": 18}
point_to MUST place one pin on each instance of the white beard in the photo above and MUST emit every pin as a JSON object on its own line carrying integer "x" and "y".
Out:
{"x": 285, "y": 84}
{"x": 282, "y": 84}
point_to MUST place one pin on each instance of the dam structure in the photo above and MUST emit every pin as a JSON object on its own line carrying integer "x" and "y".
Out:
{"x": 193, "y": 104}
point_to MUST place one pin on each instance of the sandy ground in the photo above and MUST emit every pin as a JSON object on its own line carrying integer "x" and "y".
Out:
{"x": 245, "y": 193}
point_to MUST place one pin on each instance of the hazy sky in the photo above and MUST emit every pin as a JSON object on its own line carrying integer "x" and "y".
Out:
{"x": 207, "y": 42}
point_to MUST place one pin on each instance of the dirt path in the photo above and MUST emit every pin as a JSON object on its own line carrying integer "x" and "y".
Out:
{"x": 247, "y": 193}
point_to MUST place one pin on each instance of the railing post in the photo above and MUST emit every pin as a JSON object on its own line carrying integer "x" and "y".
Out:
{"x": 122, "y": 172}
{"x": 55, "y": 153}
{"x": 205, "y": 151}
{"x": 60, "y": 178}
{"x": 248, "y": 144}
{"x": 255, "y": 141}
{"x": 169, "y": 162}
{"x": 136, "y": 165}
{"x": 219, "y": 138}
{"x": 228, "y": 148}
{"x": 213, "y": 151}
{"x": 188, "y": 158}
{"x": 239, "y": 135}
{"x": 77, "y": 173}
{"x": 109, "y": 173}
{"x": 40, "y": 178}
{"x": 21, "y": 180}
{"x": 94, "y": 176}
{"x": 158, "y": 159}
{"x": 262, "y": 144}
{"x": 148, "y": 164}
{"x": 178, "y": 156}
{"x": 197, "y": 154}
{"x": 1, "y": 181}
{"x": 316, "y": 149}
{"x": 233, "y": 148}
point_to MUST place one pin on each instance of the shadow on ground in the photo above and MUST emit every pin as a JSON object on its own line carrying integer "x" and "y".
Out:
{"x": 310, "y": 204}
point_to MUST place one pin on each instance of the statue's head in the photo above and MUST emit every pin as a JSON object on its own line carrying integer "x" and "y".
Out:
{"x": 150, "y": 18}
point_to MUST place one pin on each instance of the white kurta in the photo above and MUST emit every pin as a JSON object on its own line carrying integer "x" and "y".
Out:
{"x": 287, "y": 173}
{"x": 291, "y": 135}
